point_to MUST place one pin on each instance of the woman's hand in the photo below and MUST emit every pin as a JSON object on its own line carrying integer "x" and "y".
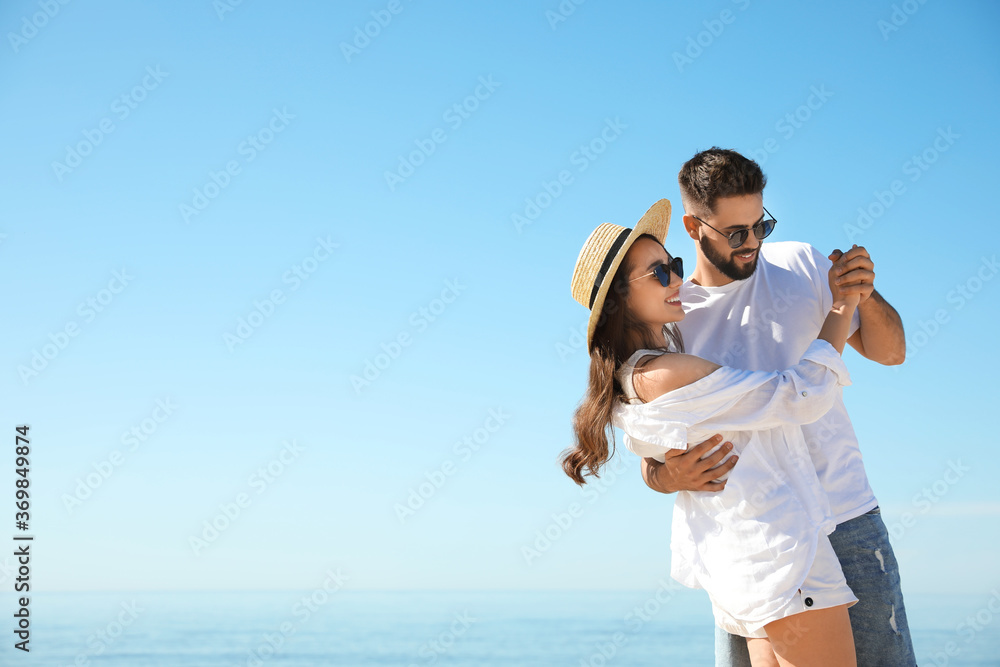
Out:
{"x": 852, "y": 297}
{"x": 846, "y": 297}
{"x": 857, "y": 270}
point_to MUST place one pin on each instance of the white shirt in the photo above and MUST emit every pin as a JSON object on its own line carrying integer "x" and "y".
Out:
{"x": 765, "y": 323}
{"x": 752, "y": 544}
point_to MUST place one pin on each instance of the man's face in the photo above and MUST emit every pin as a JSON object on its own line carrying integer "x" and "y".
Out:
{"x": 732, "y": 214}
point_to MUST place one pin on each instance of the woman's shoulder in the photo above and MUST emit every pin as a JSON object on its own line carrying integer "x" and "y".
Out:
{"x": 668, "y": 372}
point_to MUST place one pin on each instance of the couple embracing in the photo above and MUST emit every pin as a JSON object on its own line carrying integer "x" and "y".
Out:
{"x": 729, "y": 385}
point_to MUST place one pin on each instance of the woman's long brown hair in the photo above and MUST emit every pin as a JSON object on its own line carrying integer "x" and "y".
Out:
{"x": 616, "y": 336}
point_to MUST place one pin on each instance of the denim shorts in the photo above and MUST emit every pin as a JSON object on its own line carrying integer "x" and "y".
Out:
{"x": 878, "y": 620}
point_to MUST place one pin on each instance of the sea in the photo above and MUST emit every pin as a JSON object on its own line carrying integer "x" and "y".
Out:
{"x": 665, "y": 626}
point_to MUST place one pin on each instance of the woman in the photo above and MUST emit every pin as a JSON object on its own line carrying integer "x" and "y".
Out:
{"x": 759, "y": 547}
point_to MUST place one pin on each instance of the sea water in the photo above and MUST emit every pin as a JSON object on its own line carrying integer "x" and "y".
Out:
{"x": 306, "y": 628}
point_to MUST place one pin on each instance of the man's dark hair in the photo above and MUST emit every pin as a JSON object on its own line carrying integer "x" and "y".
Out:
{"x": 717, "y": 172}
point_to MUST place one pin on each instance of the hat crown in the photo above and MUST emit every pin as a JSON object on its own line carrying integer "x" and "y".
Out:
{"x": 592, "y": 257}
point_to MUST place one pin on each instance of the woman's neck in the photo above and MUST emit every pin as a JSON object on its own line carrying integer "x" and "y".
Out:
{"x": 638, "y": 342}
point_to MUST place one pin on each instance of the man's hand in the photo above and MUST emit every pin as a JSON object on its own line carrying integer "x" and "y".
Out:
{"x": 685, "y": 470}
{"x": 855, "y": 270}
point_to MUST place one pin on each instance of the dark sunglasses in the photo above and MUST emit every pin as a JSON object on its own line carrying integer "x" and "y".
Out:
{"x": 663, "y": 271}
{"x": 761, "y": 231}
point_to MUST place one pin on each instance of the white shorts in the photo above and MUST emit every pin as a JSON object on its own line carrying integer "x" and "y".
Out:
{"x": 823, "y": 588}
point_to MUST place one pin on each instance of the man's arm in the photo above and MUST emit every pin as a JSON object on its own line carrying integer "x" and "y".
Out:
{"x": 880, "y": 336}
{"x": 684, "y": 470}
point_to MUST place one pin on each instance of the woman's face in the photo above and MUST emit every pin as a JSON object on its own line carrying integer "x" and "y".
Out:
{"x": 651, "y": 302}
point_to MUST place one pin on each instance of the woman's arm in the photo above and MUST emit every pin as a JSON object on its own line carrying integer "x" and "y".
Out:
{"x": 730, "y": 399}
{"x": 838, "y": 321}
{"x": 740, "y": 400}
{"x": 670, "y": 372}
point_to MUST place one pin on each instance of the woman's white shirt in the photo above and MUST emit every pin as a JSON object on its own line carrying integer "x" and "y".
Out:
{"x": 752, "y": 544}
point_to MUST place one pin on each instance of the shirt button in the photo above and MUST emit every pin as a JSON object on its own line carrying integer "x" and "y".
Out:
{"x": 809, "y": 602}
{"x": 805, "y": 393}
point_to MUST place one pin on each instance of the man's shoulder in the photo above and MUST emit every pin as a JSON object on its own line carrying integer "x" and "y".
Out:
{"x": 795, "y": 256}
{"x": 789, "y": 252}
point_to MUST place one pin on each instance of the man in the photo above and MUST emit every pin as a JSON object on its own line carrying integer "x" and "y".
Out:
{"x": 757, "y": 307}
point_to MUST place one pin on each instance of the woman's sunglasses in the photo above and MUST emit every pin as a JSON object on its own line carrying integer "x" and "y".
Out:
{"x": 761, "y": 231}
{"x": 663, "y": 271}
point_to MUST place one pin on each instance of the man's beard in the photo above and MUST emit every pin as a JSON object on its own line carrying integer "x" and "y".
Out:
{"x": 727, "y": 264}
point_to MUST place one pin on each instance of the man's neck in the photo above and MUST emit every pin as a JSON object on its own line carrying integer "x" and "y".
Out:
{"x": 706, "y": 275}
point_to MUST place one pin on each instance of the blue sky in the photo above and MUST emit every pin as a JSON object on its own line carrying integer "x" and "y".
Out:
{"x": 213, "y": 220}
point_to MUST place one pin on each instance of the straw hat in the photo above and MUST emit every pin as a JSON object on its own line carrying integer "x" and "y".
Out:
{"x": 603, "y": 253}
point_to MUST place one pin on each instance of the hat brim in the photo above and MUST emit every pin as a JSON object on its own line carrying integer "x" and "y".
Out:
{"x": 655, "y": 222}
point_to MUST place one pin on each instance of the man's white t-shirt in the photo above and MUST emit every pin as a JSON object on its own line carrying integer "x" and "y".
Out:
{"x": 766, "y": 323}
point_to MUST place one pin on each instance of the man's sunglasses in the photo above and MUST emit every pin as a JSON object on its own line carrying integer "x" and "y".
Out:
{"x": 761, "y": 231}
{"x": 663, "y": 271}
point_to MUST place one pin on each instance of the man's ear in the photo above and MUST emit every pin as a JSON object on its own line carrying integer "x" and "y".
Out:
{"x": 691, "y": 225}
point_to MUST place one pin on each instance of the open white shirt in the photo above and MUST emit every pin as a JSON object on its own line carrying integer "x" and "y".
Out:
{"x": 752, "y": 544}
